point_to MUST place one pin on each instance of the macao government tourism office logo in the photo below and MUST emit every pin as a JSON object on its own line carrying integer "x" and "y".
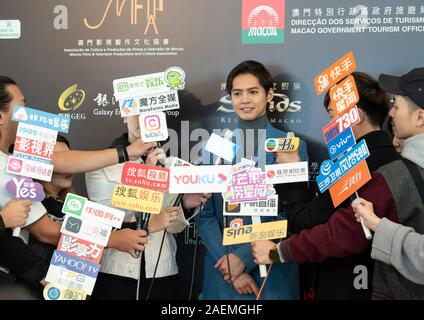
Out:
{"x": 263, "y": 21}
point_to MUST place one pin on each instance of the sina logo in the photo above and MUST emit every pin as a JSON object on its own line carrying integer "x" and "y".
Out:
{"x": 263, "y": 21}
{"x": 236, "y": 223}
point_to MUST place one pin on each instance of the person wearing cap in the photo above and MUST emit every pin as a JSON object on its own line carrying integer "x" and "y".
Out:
{"x": 306, "y": 208}
{"x": 393, "y": 243}
{"x": 393, "y": 190}
{"x": 396, "y": 244}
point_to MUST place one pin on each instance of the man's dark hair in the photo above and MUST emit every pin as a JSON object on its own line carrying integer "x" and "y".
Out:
{"x": 251, "y": 67}
{"x": 373, "y": 100}
{"x": 61, "y": 138}
{"x": 5, "y": 96}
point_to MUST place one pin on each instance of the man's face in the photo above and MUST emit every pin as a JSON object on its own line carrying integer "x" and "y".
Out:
{"x": 249, "y": 97}
{"x": 9, "y": 127}
{"x": 404, "y": 117}
{"x": 133, "y": 127}
{"x": 330, "y": 111}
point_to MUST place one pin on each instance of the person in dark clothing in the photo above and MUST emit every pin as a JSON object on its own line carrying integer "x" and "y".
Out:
{"x": 306, "y": 207}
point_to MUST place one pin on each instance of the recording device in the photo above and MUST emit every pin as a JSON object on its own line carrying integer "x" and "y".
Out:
{"x": 367, "y": 231}
{"x": 141, "y": 224}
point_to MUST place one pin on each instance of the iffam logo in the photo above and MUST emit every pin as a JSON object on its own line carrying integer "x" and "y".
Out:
{"x": 71, "y": 99}
{"x": 122, "y": 87}
{"x": 263, "y": 21}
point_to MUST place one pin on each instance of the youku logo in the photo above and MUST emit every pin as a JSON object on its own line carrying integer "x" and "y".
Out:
{"x": 201, "y": 179}
{"x": 263, "y": 21}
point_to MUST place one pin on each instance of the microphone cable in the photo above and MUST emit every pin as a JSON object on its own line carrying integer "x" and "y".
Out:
{"x": 177, "y": 202}
{"x": 141, "y": 223}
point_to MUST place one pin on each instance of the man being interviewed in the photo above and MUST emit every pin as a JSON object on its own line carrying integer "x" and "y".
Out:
{"x": 250, "y": 86}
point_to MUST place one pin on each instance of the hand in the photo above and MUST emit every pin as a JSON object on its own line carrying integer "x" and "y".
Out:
{"x": 155, "y": 155}
{"x": 260, "y": 251}
{"x": 138, "y": 148}
{"x": 128, "y": 240}
{"x": 365, "y": 210}
{"x": 236, "y": 265}
{"x": 287, "y": 157}
{"x": 163, "y": 220}
{"x": 245, "y": 284}
{"x": 193, "y": 200}
{"x": 15, "y": 213}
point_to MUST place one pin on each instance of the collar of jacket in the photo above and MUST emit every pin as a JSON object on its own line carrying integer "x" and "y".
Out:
{"x": 413, "y": 149}
{"x": 377, "y": 139}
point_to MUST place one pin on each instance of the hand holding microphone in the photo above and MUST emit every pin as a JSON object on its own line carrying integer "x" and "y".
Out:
{"x": 15, "y": 213}
{"x": 356, "y": 202}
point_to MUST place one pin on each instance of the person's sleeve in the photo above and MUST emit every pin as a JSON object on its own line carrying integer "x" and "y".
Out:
{"x": 244, "y": 252}
{"x": 210, "y": 230}
{"x": 401, "y": 247}
{"x": 22, "y": 260}
{"x": 342, "y": 236}
{"x": 303, "y": 151}
{"x": 99, "y": 189}
{"x": 303, "y": 210}
{"x": 37, "y": 211}
{"x": 179, "y": 224}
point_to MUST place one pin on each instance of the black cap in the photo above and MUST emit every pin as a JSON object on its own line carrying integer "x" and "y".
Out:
{"x": 410, "y": 84}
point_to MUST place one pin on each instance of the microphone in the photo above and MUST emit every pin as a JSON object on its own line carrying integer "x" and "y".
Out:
{"x": 178, "y": 200}
{"x": 140, "y": 224}
{"x": 11, "y": 148}
{"x": 366, "y": 230}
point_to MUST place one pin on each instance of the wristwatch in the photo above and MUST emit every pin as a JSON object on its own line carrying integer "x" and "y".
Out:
{"x": 273, "y": 254}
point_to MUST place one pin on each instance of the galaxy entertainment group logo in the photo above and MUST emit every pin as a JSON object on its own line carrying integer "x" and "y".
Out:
{"x": 263, "y": 21}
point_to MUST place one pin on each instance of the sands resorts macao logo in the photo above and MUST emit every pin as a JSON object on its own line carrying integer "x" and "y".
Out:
{"x": 263, "y": 21}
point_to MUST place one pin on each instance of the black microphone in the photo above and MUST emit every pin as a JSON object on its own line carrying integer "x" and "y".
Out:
{"x": 177, "y": 201}
{"x": 11, "y": 148}
{"x": 140, "y": 224}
